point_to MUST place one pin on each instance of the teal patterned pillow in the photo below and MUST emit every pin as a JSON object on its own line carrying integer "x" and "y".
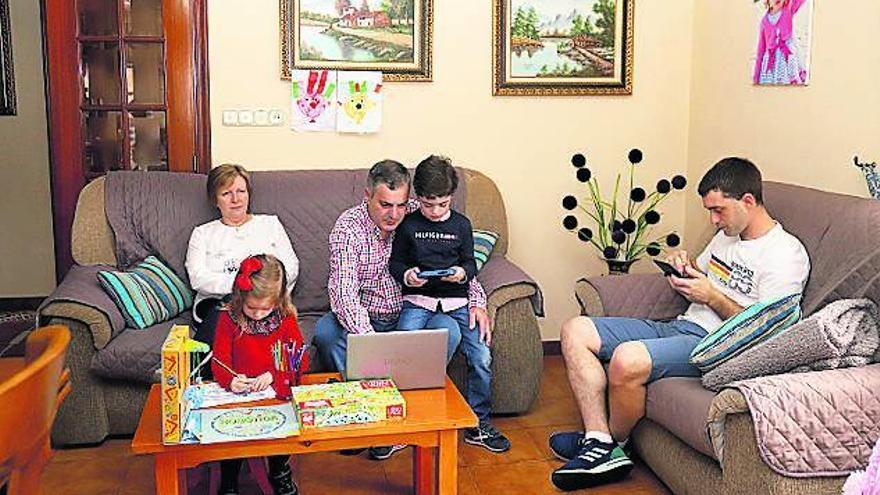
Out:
{"x": 755, "y": 324}
{"x": 484, "y": 243}
{"x": 147, "y": 294}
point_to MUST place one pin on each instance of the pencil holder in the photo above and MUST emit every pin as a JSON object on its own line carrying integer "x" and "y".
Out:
{"x": 282, "y": 381}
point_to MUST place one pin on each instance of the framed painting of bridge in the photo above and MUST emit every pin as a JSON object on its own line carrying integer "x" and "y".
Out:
{"x": 563, "y": 47}
{"x": 391, "y": 36}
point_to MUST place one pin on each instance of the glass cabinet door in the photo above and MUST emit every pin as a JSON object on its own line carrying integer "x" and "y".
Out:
{"x": 123, "y": 105}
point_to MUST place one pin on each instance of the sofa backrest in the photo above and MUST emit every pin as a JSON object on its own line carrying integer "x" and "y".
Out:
{"x": 306, "y": 201}
{"x": 841, "y": 234}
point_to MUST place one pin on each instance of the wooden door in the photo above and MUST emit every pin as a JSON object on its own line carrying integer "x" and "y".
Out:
{"x": 128, "y": 90}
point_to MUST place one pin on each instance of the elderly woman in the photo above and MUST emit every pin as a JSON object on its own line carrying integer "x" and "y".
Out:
{"x": 217, "y": 248}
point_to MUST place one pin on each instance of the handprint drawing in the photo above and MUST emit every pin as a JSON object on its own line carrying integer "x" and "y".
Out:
{"x": 359, "y": 102}
{"x": 315, "y": 101}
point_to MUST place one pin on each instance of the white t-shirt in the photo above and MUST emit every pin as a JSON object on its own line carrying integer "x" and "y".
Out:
{"x": 216, "y": 250}
{"x": 773, "y": 265}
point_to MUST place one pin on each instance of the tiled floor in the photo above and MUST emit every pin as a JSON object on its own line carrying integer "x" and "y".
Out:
{"x": 525, "y": 469}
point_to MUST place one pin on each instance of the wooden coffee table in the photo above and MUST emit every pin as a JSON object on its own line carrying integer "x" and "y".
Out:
{"x": 433, "y": 418}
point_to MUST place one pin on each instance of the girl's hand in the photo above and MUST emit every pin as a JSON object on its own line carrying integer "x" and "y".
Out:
{"x": 262, "y": 382}
{"x": 409, "y": 277}
{"x": 457, "y": 277}
{"x": 241, "y": 384}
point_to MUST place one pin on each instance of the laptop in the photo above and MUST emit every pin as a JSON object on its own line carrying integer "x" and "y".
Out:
{"x": 413, "y": 359}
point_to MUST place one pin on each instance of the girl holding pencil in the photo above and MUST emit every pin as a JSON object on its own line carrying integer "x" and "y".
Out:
{"x": 258, "y": 321}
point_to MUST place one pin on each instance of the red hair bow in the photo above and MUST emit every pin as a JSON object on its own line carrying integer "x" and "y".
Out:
{"x": 248, "y": 266}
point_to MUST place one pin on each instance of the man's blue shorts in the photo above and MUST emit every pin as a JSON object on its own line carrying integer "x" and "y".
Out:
{"x": 669, "y": 342}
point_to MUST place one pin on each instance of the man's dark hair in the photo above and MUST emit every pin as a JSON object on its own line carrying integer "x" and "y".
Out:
{"x": 733, "y": 177}
{"x": 435, "y": 177}
{"x": 389, "y": 172}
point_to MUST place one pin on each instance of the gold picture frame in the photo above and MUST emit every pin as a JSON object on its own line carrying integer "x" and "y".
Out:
{"x": 562, "y": 53}
{"x": 400, "y": 41}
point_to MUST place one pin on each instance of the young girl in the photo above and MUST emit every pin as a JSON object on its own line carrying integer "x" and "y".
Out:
{"x": 778, "y": 61}
{"x": 259, "y": 315}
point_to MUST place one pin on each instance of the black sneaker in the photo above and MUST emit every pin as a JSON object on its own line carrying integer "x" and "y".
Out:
{"x": 382, "y": 453}
{"x": 565, "y": 445}
{"x": 351, "y": 451}
{"x": 597, "y": 463}
{"x": 488, "y": 437}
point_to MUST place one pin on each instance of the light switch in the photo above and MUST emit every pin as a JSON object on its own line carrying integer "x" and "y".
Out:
{"x": 245, "y": 117}
{"x": 276, "y": 116}
{"x": 230, "y": 117}
{"x": 261, "y": 117}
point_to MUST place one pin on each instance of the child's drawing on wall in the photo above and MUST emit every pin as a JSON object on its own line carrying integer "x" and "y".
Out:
{"x": 783, "y": 54}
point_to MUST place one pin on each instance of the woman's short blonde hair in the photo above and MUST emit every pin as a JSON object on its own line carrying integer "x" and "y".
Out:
{"x": 223, "y": 175}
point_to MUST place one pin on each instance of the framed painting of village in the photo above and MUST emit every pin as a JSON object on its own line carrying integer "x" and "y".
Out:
{"x": 391, "y": 36}
{"x": 563, "y": 47}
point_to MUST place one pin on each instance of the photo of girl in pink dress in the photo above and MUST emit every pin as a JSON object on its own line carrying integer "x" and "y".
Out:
{"x": 783, "y": 43}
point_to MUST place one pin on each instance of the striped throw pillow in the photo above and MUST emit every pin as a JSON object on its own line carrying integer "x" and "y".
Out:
{"x": 484, "y": 243}
{"x": 148, "y": 294}
{"x": 755, "y": 324}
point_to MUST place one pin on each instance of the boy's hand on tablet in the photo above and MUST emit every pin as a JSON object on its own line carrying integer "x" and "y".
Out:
{"x": 411, "y": 280}
{"x": 457, "y": 277}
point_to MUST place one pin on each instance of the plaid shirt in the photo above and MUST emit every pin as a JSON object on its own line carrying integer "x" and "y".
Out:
{"x": 360, "y": 285}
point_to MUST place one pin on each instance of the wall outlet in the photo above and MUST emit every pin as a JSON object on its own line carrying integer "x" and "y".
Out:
{"x": 245, "y": 117}
{"x": 276, "y": 116}
{"x": 230, "y": 117}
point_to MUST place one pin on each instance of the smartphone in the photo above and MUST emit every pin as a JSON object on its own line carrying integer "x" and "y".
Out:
{"x": 436, "y": 273}
{"x": 668, "y": 269}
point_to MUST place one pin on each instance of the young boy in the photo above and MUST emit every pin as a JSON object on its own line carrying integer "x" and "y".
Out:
{"x": 436, "y": 238}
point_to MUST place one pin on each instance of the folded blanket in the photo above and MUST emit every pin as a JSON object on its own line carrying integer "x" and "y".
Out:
{"x": 844, "y": 333}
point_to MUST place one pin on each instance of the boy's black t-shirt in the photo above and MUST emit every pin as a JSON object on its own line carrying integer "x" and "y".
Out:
{"x": 434, "y": 246}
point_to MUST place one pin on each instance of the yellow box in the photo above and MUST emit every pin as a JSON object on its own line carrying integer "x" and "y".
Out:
{"x": 175, "y": 379}
{"x": 343, "y": 403}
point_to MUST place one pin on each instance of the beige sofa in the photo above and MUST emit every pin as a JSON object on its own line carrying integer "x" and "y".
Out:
{"x": 840, "y": 234}
{"x": 112, "y": 367}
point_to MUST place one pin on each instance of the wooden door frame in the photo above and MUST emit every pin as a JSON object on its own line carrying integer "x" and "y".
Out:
{"x": 63, "y": 105}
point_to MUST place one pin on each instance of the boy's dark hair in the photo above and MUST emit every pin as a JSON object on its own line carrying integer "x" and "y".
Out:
{"x": 435, "y": 177}
{"x": 733, "y": 177}
{"x": 389, "y": 172}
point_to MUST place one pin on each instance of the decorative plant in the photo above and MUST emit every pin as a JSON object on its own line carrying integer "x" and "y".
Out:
{"x": 622, "y": 235}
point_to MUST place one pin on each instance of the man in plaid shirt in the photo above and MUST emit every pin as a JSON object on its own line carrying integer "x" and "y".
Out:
{"x": 364, "y": 297}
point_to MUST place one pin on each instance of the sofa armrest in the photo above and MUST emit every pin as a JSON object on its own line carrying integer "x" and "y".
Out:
{"x": 504, "y": 282}
{"x": 634, "y": 295}
{"x": 80, "y": 297}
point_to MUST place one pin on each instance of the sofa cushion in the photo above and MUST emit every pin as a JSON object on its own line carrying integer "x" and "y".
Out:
{"x": 148, "y": 294}
{"x": 748, "y": 328}
{"x": 681, "y": 405}
{"x": 484, "y": 243}
{"x": 135, "y": 354}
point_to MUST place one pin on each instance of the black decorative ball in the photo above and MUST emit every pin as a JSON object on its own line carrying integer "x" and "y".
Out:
{"x": 578, "y": 160}
{"x": 678, "y": 182}
{"x": 637, "y": 194}
{"x": 610, "y": 252}
{"x": 635, "y": 155}
{"x": 584, "y": 174}
{"x": 653, "y": 249}
{"x": 628, "y": 226}
{"x": 616, "y": 225}
{"x": 663, "y": 186}
{"x": 570, "y": 222}
{"x": 618, "y": 237}
{"x": 652, "y": 217}
{"x": 569, "y": 202}
{"x": 585, "y": 234}
{"x": 673, "y": 240}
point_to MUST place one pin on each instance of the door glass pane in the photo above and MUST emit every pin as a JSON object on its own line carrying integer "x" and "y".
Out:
{"x": 148, "y": 140}
{"x": 143, "y": 17}
{"x": 145, "y": 73}
{"x": 103, "y": 146}
{"x": 98, "y": 17}
{"x": 100, "y": 73}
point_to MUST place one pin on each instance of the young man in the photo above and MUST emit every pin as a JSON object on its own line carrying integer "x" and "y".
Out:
{"x": 364, "y": 297}
{"x": 751, "y": 258}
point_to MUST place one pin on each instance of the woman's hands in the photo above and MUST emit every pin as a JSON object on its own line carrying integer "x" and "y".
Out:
{"x": 242, "y": 385}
